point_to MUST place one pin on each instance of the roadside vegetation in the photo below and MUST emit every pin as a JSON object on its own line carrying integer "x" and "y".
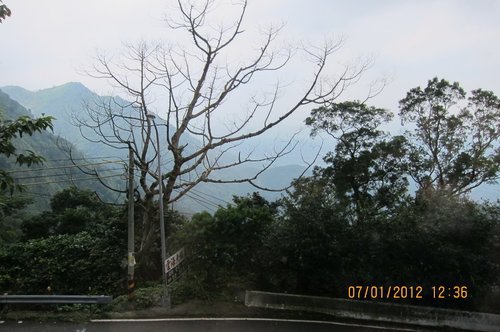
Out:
{"x": 355, "y": 221}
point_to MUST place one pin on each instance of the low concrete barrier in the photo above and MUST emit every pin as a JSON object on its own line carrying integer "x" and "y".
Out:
{"x": 376, "y": 311}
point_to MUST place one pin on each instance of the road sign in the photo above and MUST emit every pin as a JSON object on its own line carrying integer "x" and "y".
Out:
{"x": 175, "y": 266}
{"x": 173, "y": 261}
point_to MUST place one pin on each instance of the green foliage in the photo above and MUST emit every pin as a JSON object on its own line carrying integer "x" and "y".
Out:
{"x": 4, "y": 11}
{"x": 145, "y": 297}
{"x": 445, "y": 240}
{"x": 366, "y": 170}
{"x": 77, "y": 248}
{"x": 354, "y": 120}
{"x": 225, "y": 247}
{"x": 47, "y": 145}
{"x": 454, "y": 144}
{"x": 302, "y": 249}
{"x": 73, "y": 211}
{"x": 11, "y": 214}
{"x": 10, "y": 130}
{"x": 353, "y": 222}
{"x": 440, "y": 240}
{"x": 68, "y": 264}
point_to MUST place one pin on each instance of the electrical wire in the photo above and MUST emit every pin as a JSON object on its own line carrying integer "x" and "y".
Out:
{"x": 70, "y": 180}
{"x": 83, "y": 158}
{"x": 60, "y": 174}
{"x": 190, "y": 194}
{"x": 202, "y": 204}
{"x": 209, "y": 195}
{"x": 64, "y": 166}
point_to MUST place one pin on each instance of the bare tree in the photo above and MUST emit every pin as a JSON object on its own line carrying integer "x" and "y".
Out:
{"x": 195, "y": 82}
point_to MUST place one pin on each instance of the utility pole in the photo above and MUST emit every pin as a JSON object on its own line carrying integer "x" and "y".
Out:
{"x": 130, "y": 242}
{"x": 166, "y": 296}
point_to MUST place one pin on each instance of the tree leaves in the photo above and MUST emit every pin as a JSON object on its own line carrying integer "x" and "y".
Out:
{"x": 10, "y": 130}
{"x": 4, "y": 11}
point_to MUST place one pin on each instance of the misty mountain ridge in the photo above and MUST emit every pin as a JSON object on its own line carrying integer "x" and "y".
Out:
{"x": 65, "y": 101}
{"x": 56, "y": 173}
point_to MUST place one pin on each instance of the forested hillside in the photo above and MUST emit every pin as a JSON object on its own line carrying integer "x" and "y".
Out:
{"x": 57, "y": 172}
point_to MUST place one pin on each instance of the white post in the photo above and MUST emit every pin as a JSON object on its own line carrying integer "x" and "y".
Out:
{"x": 166, "y": 298}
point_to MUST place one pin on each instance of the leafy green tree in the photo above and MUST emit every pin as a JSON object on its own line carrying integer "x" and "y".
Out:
{"x": 443, "y": 240}
{"x": 9, "y": 130}
{"x": 72, "y": 211}
{"x": 11, "y": 215}
{"x": 69, "y": 263}
{"x": 225, "y": 248}
{"x": 302, "y": 252}
{"x": 455, "y": 139}
{"x": 150, "y": 269}
{"x": 76, "y": 248}
{"x": 4, "y": 11}
{"x": 319, "y": 245}
{"x": 367, "y": 170}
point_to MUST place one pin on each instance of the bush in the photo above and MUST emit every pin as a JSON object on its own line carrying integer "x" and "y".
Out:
{"x": 62, "y": 264}
{"x": 143, "y": 298}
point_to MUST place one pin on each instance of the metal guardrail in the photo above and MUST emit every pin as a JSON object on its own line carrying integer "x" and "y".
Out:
{"x": 56, "y": 299}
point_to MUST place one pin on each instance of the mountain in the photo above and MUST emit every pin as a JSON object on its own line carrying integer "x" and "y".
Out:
{"x": 67, "y": 104}
{"x": 57, "y": 172}
{"x": 68, "y": 101}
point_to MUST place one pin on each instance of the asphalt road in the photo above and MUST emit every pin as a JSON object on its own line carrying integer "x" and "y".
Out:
{"x": 190, "y": 325}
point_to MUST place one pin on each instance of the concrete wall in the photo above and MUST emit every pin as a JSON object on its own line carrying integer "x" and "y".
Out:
{"x": 368, "y": 310}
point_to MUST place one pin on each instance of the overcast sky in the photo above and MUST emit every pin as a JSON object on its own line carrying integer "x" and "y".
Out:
{"x": 48, "y": 43}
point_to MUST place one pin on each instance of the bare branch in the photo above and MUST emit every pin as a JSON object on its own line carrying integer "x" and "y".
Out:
{"x": 196, "y": 85}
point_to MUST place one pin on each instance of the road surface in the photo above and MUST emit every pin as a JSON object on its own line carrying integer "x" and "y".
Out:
{"x": 193, "y": 325}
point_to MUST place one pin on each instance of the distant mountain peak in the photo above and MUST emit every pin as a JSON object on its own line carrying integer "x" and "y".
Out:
{"x": 71, "y": 88}
{"x": 74, "y": 84}
{"x": 77, "y": 87}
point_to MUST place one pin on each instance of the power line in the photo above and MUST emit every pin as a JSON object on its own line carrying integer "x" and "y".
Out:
{"x": 202, "y": 204}
{"x": 212, "y": 196}
{"x": 206, "y": 194}
{"x": 64, "y": 166}
{"x": 200, "y": 198}
{"x": 60, "y": 174}
{"x": 203, "y": 199}
{"x": 83, "y": 158}
{"x": 70, "y": 180}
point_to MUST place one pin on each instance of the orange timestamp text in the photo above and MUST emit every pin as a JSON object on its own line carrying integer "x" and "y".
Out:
{"x": 371, "y": 292}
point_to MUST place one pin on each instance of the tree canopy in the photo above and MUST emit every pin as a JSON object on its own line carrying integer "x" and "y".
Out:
{"x": 455, "y": 141}
{"x": 4, "y": 11}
